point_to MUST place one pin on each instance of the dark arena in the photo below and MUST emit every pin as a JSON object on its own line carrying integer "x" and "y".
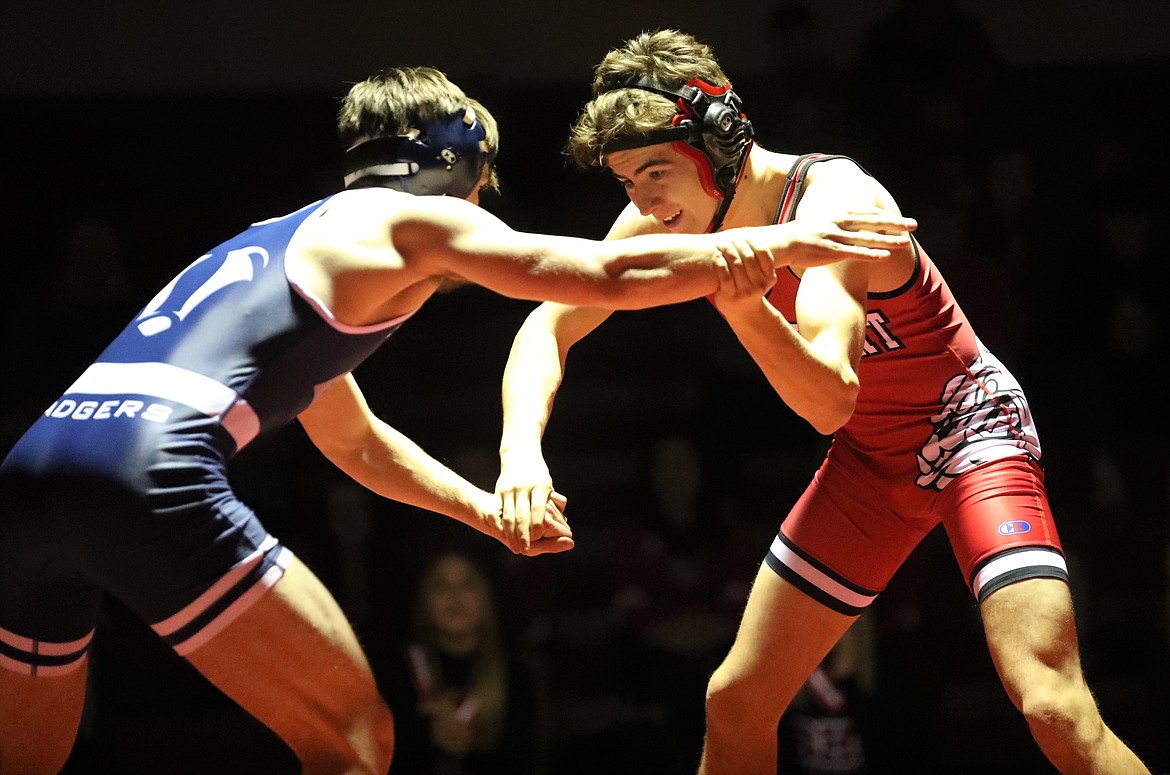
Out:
{"x": 723, "y": 404}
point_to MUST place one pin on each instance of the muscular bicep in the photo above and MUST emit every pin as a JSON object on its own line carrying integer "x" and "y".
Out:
{"x": 338, "y": 419}
{"x": 831, "y": 309}
{"x": 458, "y": 241}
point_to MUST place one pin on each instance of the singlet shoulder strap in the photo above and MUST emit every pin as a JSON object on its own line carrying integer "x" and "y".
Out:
{"x": 794, "y": 186}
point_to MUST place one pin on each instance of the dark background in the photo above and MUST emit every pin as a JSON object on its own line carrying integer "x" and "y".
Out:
{"x": 1027, "y": 138}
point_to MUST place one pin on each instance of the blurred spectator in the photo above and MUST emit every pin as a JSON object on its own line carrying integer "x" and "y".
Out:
{"x": 463, "y": 703}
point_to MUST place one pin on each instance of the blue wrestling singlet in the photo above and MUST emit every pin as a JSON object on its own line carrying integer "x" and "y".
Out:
{"x": 120, "y": 486}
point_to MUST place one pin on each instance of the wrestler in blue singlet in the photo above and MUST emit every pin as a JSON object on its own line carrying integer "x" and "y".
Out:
{"x": 120, "y": 486}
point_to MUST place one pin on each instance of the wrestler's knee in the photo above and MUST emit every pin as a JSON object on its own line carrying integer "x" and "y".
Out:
{"x": 1060, "y": 707}
{"x": 721, "y": 689}
{"x": 735, "y": 700}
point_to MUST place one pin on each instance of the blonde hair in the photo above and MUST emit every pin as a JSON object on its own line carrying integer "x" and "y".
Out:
{"x": 667, "y": 55}
{"x": 489, "y": 672}
{"x": 398, "y": 99}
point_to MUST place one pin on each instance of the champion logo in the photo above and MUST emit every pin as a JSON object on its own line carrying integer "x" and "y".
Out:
{"x": 1015, "y": 527}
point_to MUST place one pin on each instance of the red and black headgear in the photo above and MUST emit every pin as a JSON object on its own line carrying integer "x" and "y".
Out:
{"x": 710, "y": 129}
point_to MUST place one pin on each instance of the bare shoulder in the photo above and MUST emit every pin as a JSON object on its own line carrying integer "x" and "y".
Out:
{"x": 347, "y": 256}
{"x": 350, "y": 218}
{"x": 371, "y": 221}
{"x": 842, "y": 167}
{"x": 840, "y": 183}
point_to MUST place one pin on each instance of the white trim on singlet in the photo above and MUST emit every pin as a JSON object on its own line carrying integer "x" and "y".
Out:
{"x": 199, "y": 605}
{"x": 1014, "y": 561}
{"x": 43, "y": 648}
{"x": 241, "y": 604}
{"x": 24, "y": 668}
{"x": 818, "y": 578}
{"x": 158, "y": 380}
{"x": 328, "y": 316}
{"x": 173, "y": 383}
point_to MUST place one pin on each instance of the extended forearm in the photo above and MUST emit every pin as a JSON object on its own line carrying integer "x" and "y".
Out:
{"x": 657, "y": 269}
{"x": 533, "y": 373}
{"x": 390, "y": 464}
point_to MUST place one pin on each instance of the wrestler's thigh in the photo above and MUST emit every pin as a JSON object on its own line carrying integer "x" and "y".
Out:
{"x": 783, "y": 636}
{"x": 293, "y": 661}
{"x": 1031, "y": 633}
{"x": 38, "y": 720}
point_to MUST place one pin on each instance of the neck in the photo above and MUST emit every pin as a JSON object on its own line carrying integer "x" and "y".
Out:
{"x": 758, "y": 192}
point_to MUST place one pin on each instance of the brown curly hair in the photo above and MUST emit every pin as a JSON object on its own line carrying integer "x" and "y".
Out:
{"x": 669, "y": 56}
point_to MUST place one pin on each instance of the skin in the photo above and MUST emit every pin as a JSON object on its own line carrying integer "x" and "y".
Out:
{"x": 374, "y": 255}
{"x": 813, "y": 367}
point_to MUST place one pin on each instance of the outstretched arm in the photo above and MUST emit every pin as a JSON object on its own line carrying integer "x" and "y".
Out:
{"x": 341, "y": 425}
{"x": 458, "y": 240}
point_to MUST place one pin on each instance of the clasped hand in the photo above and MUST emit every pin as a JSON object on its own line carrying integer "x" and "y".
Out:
{"x": 532, "y": 519}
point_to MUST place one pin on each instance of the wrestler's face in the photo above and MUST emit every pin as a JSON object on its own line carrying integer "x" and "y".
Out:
{"x": 664, "y": 184}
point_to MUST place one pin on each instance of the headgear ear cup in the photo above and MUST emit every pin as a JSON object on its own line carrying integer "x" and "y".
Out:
{"x": 441, "y": 157}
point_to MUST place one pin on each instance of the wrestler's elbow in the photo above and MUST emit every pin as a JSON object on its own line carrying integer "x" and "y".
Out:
{"x": 834, "y": 407}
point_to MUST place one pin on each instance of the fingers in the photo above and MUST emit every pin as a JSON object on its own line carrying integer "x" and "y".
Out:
{"x": 872, "y": 236}
{"x": 551, "y": 545}
{"x": 844, "y": 250}
{"x": 557, "y": 523}
{"x": 731, "y": 264}
{"x": 557, "y": 536}
{"x": 558, "y": 539}
{"x": 510, "y": 501}
{"x": 523, "y": 515}
{"x": 750, "y": 269}
{"x": 872, "y": 239}
{"x": 760, "y": 265}
{"x": 876, "y": 221}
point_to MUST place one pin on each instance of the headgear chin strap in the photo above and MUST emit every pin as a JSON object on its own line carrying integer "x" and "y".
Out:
{"x": 442, "y": 157}
{"x": 710, "y": 127}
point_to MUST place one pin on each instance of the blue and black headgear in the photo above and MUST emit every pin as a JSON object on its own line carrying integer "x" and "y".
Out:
{"x": 446, "y": 156}
{"x": 710, "y": 129}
